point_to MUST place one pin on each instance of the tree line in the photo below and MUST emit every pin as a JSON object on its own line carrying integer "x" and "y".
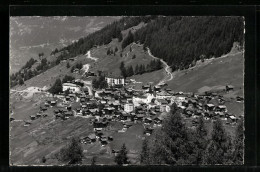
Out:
{"x": 99, "y": 82}
{"x": 76, "y": 66}
{"x": 101, "y": 37}
{"x": 57, "y": 86}
{"x": 181, "y": 40}
{"x": 175, "y": 144}
{"x": 139, "y": 69}
{"x": 26, "y": 73}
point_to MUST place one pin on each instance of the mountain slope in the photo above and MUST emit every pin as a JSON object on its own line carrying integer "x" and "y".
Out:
{"x": 32, "y": 35}
{"x": 213, "y": 74}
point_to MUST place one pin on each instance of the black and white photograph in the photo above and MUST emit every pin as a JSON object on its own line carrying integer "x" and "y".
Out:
{"x": 126, "y": 90}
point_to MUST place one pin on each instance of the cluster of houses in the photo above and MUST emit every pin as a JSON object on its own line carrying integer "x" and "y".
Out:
{"x": 147, "y": 106}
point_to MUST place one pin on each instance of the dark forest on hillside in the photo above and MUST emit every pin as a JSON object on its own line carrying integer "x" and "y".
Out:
{"x": 182, "y": 40}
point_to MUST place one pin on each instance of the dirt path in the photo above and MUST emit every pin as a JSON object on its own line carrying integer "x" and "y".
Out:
{"x": 88, "y": 55}
{"x": 86, "y": 68}
{"x": 167, "y": 69}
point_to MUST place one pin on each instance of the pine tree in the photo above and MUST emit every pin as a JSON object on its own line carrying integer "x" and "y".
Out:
{"x": 108, "y": 51}
{"x": 68, "y": 65}
{"x": 72, "y": 153}
{"x": 136, "y": 69}
{"x": 145, "y": 152}
{"x": 177, "y": 144}
{"x": 219, "y": 148}
{"x": 93, "y": 160}
{"x": 201, "y": 140}
{"x": 57, "y": 87}
{"x": 21, "y": 81}
{"x": 130, "y": 71}
{"x": 123, "y": 70}
{"x": 122, "y": 158}
{"x": 238, "y": 154}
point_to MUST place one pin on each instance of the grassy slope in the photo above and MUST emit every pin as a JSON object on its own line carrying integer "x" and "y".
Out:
{"x": 105, "y": 62}
{"x": 221, "y": 71}
{"x": 48, "y": 77}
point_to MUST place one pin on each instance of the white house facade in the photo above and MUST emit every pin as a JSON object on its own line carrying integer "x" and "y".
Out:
{"x": 129, "y": 107}
{"x": 72, "y": 87}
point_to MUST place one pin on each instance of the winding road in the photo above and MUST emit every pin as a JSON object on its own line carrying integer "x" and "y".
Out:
{"x": 167, "y": 69}
{"x": 86, "y": 67}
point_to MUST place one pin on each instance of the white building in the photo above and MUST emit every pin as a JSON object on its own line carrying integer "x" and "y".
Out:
{"x": 115, "y": 80}
{"x": 129, "y": 107}
{"x": 147, "y": 98}
{"x": 72, "y": 87}
{"x": 178, "y": 100}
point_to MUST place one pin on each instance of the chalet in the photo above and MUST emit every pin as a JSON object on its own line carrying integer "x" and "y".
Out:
{"x": 232, "y": 118}
{"x": 221, "y": 108}
{"x": 193, "y": 102}
{"x": 103, "y": 141}
{"x": 11, "y": 119}
{"x": 98, "y": 124}
{"x": 69, "y": 108}
{"x": 27, "y": 123}
{"x": 151, "y": 105}
{"x": 168, "y": 89}
{"x": 128, "y": 124}
{"x": 139, "y": 117}
{"x": 53, "y": 103}
{"x": 83, "y": 106}
{"x": 229, "y": 87}
{"x": 38, "y": 115}
{"x": 125, "y": 117}
{"x": 46, "y": 104}
{"x": 209, "y": 107}
{"x": 92, "y": 137}
{"x": 109, "y": 110}
{"x": 76, "y": 70}
{"x": 144, "y": 87}
{"x": 33, "y": 117}
{"x": 148, "y": 120}
{"x": 189, "y": 111}
{"x": 58, "y": 115}
{"x": 67, "y": 98}
{"x": 98, "y": 132}
{"x": 239, "y": 99}
{"x": 157, "y": 88}
{"x": 220, "y": 114}
{"x": 116, "y": 105}
{"x": 82, "y": 100}
{"x": 67, "y": 114}
{"x": 158, "y": 120}
{"x": 42, "y": 108}
{"x": 110, "y": 138}
{"x": 78, "y": 110}
{"x": 115, "y": 151}
{"x": 148, "y": 131}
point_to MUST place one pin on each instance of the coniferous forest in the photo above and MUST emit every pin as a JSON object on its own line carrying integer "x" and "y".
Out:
{"x": 181, "y": 40}
{"x": 176, "y": 144}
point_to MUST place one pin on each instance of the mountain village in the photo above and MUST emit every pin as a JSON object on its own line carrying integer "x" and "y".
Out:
{"x": 122, "y": 104}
